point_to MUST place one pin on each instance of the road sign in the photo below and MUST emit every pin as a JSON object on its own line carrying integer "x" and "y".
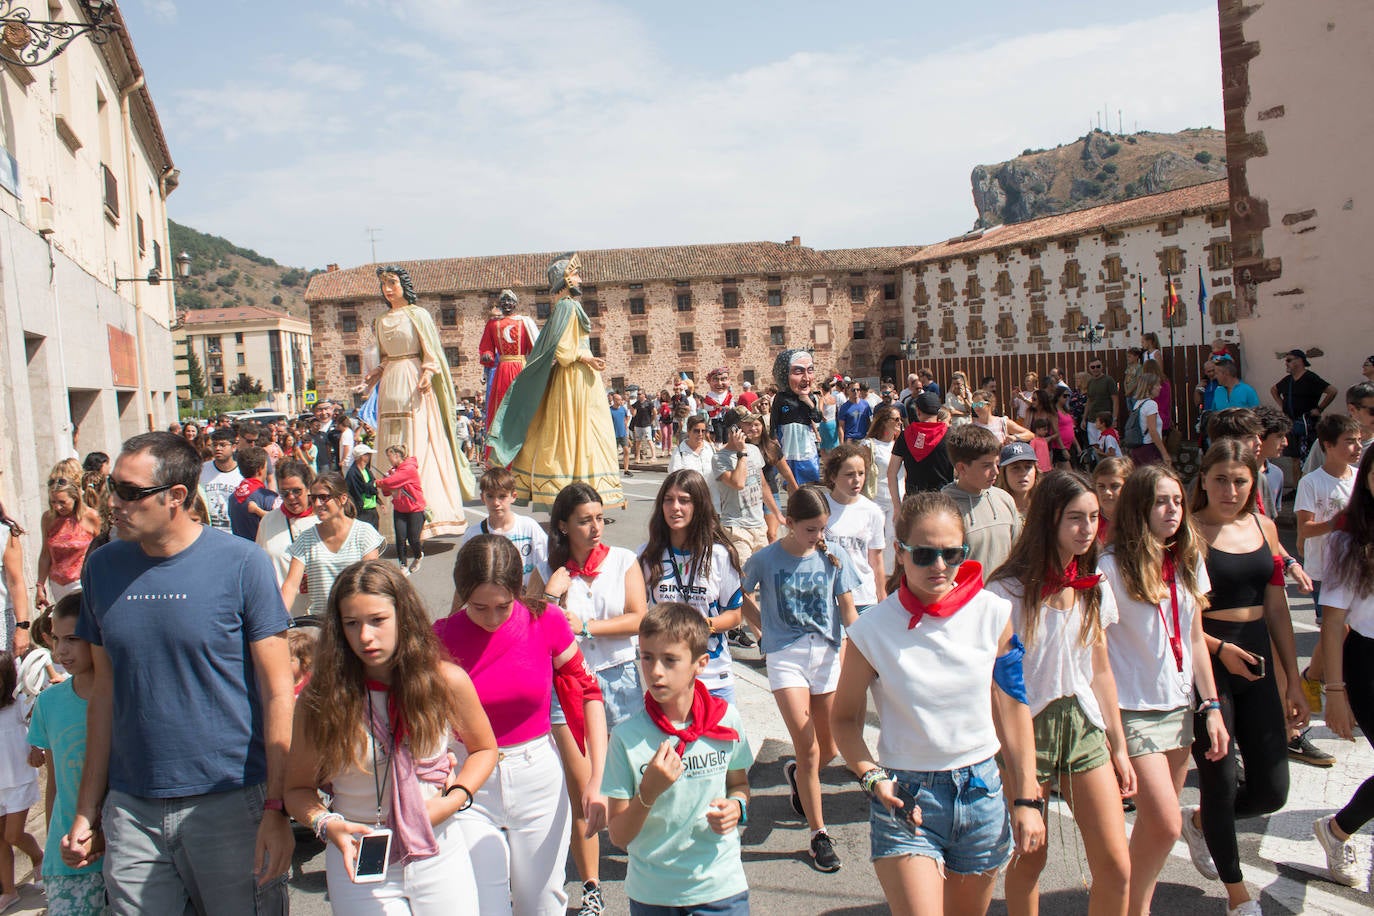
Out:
{"x": 311, "y": 397}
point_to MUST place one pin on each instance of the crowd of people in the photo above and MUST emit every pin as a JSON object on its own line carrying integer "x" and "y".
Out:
{"x": 1035, "y": 600}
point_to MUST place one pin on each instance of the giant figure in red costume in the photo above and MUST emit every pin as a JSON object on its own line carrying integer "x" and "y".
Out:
{"x": 506, "y": 341}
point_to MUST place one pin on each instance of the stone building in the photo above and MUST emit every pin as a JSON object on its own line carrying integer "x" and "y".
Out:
{"x": 1293, "y": 75}
{"x": 85, "y": 340}
{"x": 654, "y": 311}
{"x": 266, "y": 345}
{"x": 1010, "y": 299}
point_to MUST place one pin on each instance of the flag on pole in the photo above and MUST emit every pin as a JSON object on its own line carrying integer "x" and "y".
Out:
{"x": 1201, "y": 296}
{"x": 1170, "y": 299}
{"x": 1140, "y": 297}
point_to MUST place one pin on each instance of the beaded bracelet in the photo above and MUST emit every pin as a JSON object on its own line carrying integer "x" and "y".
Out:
{"x": 320, "y": 821}
{"x": 1208, "y": 706}
{"x": 872, "y": 777}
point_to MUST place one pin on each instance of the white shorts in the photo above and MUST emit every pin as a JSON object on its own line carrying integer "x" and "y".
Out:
{"x": 810, "y": 662}
{"x": 20, "y": 798}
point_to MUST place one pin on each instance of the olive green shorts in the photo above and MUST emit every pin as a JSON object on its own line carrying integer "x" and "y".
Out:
{"x": 1066, "y": 740}
{"x": 1154, "y": 731}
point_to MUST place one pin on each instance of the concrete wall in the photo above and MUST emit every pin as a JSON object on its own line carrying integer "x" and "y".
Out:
{"x": 1296, "y": 81}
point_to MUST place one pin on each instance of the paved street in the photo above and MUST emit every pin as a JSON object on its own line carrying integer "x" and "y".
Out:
{"x": 1279, "y": 854}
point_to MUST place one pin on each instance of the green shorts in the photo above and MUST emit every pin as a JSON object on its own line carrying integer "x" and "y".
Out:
{"x": 1066, "y": 740}
{"x": 1154, "y": 731}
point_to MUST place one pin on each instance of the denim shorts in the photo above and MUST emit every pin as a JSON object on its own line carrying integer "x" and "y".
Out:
{"x": 964, "y": 821}
{"x": 738, "y": 905}
{"x": 621, "y": 690}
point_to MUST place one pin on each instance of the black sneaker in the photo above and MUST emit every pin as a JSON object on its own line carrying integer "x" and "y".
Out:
{"x": 1304, "y": 751}
{"x": 741, "y": 637}
{"x": 789, "y": 772}
{"x": 823, "y": 854}
{"x": 592, "y": 904}
{"x": 628, "y": 474}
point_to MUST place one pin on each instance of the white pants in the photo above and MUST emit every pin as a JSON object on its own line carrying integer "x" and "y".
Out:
{"x": 441, "y": 885}
{"x": 517, "y": 832}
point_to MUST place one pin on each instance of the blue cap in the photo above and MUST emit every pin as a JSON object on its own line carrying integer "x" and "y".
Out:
{"x": 1016, "y": 451}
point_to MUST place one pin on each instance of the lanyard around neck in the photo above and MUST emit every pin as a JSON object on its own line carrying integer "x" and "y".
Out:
{"x": 386, "y": 775}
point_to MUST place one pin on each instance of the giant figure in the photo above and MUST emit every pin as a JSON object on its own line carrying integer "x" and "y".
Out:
{"x": 415, "y": 402}
{"x": 506, "y": 341}
{"x": 554, "y": 425}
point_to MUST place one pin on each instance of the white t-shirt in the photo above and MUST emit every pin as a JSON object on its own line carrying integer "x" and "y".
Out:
{"x": 1147, "y": 677}
{"x": 1110, "y": 445}
{"x": 1323, "y": 496}
{"x": 15, "y": 772}
{"x": 1148, "y": 408}
{"x": 1359, "y": 610}
{"x": 322, "y": 565}
{"x": 882, "y": 457}
{"x": 858, "y": 528}
{"x": 1057, "y": 664}
{"x": 462, "y": 428}
{"x": 601, "y": 599}
{"x": 703, "y": 462}
{"x": 526, "y": 534}
{"x": 219, "y": 487}
{"x": 346, "y": 440}
{"x": 276, "y": 533}
{"x": 710, "y": 592}
{"x": 933, "y": 692}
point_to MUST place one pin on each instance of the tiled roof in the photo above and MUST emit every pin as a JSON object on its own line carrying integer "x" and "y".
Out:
{"x": 611, "y": 265}
{"x": 239, "y": 313}
{"x": 1194, "y": 199}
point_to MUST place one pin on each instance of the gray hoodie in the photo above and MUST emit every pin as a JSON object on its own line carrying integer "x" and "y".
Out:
{"x": 991, "y": 524}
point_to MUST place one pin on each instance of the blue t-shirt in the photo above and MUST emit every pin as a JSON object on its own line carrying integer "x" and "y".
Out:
{"x": 1242, "y": 395}
{"x": 244, "y": 523}
{"x": 677, "y": 860}
{"x": 797, "y": 595}
{"x": 854, "y": 416}
{"x": 59, "y": 727}
{"x": 618, "y": 417}
{"x": 187, "y": 713}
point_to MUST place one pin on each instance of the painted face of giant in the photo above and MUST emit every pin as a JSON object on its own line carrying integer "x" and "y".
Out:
{"x": 801, "y": 374}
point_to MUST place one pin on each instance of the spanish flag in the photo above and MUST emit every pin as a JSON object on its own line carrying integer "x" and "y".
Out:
{"x": 1171, "y": 299}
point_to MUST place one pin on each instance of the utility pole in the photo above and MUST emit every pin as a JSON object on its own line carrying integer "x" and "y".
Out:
{"x": 372, "y": 236}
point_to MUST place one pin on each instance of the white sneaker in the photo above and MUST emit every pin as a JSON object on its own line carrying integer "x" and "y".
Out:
{"x": 1197, "y": 846}
{"x": 1248, "y": 908}
{"x": 1340, "y": 855}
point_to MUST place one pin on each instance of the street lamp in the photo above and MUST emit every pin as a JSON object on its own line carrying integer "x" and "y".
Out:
{"x": 1091, "y": 334}
{"x": 155, "y": 278}
{"x": 909, "y": 348}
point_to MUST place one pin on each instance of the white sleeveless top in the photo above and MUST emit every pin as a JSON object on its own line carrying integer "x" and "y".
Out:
{"x": 601, "y": 599}
{"x": 355, "y": 790}
{"x": 934, "y": 687}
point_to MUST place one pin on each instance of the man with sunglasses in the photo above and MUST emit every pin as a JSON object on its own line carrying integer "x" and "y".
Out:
{"x": 1104, "y": 396}
{"x": 189, "y": 719}
{"x": 1304, "y": 397}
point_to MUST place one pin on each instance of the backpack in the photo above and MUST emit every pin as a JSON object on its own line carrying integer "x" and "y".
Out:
{"x": 1131, "y": 434}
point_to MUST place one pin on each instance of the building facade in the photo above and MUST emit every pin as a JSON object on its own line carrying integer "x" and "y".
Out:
{"x": 265, "y": 345}
{"x": 655, "y": 312}
{"x": 84, "y": 177}
{"x": 1294, "y": 151}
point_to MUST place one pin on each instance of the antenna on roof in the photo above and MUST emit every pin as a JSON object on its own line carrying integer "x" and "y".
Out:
{"x": 372, "y": 236}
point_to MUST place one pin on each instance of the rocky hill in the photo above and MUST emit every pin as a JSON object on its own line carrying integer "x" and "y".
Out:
{"x": 1098, "y": 168}
{"x": 223, "y": 275}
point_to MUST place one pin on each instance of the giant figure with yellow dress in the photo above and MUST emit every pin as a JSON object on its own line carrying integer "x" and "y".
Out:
{"x": 554, "y": 424}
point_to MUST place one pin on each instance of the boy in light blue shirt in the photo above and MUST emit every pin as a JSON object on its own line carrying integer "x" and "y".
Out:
{"x": 677, "y": 779}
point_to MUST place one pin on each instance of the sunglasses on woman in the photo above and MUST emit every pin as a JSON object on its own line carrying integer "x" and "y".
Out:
{"x": 926, "y": 556}
{"x": 320, "y": 498}
{"x": 129, "y": 493}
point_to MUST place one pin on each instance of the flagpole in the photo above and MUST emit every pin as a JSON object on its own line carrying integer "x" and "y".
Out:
{"x": 1140, "y": 297}
{"x": 1169, "y": 301}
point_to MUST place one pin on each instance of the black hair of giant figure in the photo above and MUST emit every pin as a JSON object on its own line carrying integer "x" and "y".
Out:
{"x": 782, "y": 367}
{"x": 407, "y": 288}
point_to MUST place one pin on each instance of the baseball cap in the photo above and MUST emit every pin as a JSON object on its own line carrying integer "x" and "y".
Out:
{"x": 1015, "y": 451}
{"x": 360, "y": 450}
{"x": 928, "y": 403}
{"x": 1299, "y": 354}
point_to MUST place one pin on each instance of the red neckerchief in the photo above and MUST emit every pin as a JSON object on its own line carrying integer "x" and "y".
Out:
{"x": 304, "y": 512}
{"x": 393, "y": 711}
{"x": 246, "y": 489}
{"x": 1110, "y": 431}
{"x": 1175, "y": 637}
{"x": 968, "y": 582}
{"x": 591, "y": 567}
{"x": 1104, "y": 529}
{"x": 707, "y": 711}
{"x": 1069, "y": 578}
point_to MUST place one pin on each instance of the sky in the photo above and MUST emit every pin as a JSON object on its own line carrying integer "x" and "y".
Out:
{"x": 457, "y": 127}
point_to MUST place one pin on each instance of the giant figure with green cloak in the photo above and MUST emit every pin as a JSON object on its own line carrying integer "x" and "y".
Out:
{"x": 554, "y": 425}
{"x": 415, "y": 406}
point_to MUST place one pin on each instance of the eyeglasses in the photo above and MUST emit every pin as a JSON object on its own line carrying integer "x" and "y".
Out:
{"x": 926, "y": 556}
{"x": 320, "y": 498}
{"x": 58, "y": 482}
{"x": 129, "y": 493}
{"x": 1098, "y": 366}
{"x": 292, "y": 491}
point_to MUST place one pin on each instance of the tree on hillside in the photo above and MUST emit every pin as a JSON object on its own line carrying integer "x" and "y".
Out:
{"x": 195, "y": 374}
{"x": 245, "y": 384}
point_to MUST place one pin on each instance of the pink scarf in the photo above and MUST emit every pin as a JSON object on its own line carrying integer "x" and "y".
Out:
{"x": 408, "y": 819}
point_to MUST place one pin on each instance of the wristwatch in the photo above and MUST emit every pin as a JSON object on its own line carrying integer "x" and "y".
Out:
{"x": 22, "y": 624}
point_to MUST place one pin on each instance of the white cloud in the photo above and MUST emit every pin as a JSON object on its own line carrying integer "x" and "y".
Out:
{"x": 162, "y": 10}
{"x": 533, "y": 126}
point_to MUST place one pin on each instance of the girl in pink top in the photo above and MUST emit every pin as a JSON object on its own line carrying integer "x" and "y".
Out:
{"x": 514, "y": 654}
{"x": 68, "y": 527}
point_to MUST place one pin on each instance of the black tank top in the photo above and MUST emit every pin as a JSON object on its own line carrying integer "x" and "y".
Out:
{"x": 1239, "y": 579}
